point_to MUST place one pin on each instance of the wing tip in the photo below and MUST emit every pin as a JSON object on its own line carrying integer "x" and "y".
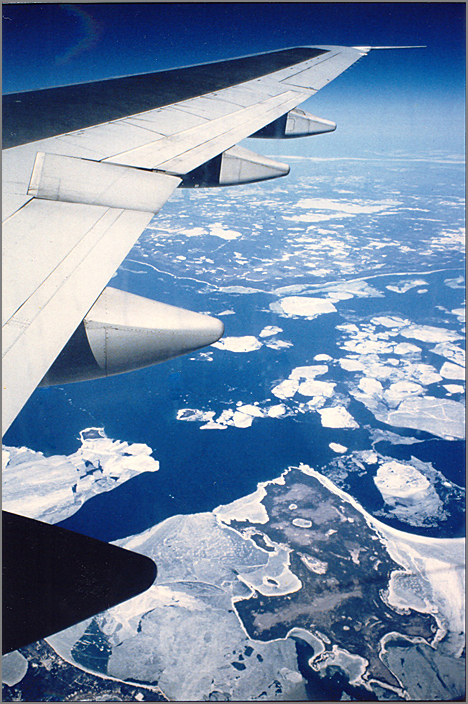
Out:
{"x": 371, "y": 48}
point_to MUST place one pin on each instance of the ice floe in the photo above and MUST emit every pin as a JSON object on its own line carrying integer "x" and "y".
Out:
{"x": 460, "y": 314}
{"x": 194, "y": 232}
{"x": 309, "y": 372}
{"x": 409, "y": 494}
{"x": 401, "y": 390}
{"x": 407, "y": 348}
{"x": 451, "y": 352}
{"x": 278, "y": 344}
{"x": 219, "y": 230}
{"x": 394, "y": 388}
{"x": 454, "y": 388}
{"x": 302, "y": 306}
{"x": 457, "y": 283}
{"x": 247, "y": 343}
{"x": 286, "y": 389}
{"x": 317, "y": 388}
{"x": 336, "y": 447}
{"x": 403, "y": 406}
{"x": 270, "y": 330}
{"x": 429, "y": 333}
{"x": 404, "y": 286}
{"x": 14, "y": 668}
{"x": 194, "y": 415}
{"x": 441, "y": 417}
{"x": 345, "y": 290}
{"x": 337, "y": 417}
{"x": 53, "y": 488}
{"x": 277, "y": 411}
{"x": 452, "y": 371}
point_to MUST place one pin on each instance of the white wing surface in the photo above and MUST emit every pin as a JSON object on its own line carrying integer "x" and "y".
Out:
{"x": 82, "y": 179}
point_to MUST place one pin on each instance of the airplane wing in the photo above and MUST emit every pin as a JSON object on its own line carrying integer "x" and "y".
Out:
{"x": 87, "y": 166}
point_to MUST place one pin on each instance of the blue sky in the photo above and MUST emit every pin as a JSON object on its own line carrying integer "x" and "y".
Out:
{"x": 390, "y": 101}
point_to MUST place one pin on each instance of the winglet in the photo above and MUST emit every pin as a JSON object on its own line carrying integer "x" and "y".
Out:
{"x": 370, "y": 48}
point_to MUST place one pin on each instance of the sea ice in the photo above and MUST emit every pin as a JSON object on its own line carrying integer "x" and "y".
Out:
{"x": 337, "y": 417}
{"x": 369, "y": 346}
{"x": 193, "y": 414}
{"x": 53, "y": 488}
{"x": 442, "y": 417}
{"x": 451, "y": 352}
{"x": 390, "y": 321}
{"x": 286, "y": 389}
{"x": 14, "y": 668}
{"x": 278, "y": 344}
{"x": 400, "y": 390}
{"x": 405, "y": 286}
{"x": 460, "y": 313}
{"x": 397, "y": 482}
{"x": 370, "y": 386}
{"x": 349, "y": 207}
{"x": 303, "y": 306}
{"x": 270, "y": 330}
{"x": 351, "y": 365}
{"x": 406, "y": 348}
{"x": 302, "y": 523}
{"x": 336, "y": 447}
{"x": 277, "y": 411}
{"x": 454, "y": 388}
{"x": 314, "y": 564}
{"x": 317, "y": 388}
{"x": 194, "y": 232}
{"x": 423, "y": 373}
{"x": 248, "y": 508}
{"x": 247, "y": 343}
{"x": 212, "y": 425}
{"x": 309, "y": 372}
{"x": 428, "y": 333}
{"x": 242, "y": 420}
{"x": 251, "y": 410}
{"x": 459, "y": 282}
{"x": 452, "y": 371}
{"x": 409, "y": 494}
{"x": 218, "y": 230}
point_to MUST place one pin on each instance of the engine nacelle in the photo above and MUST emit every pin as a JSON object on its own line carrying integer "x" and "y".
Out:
{"x": 123, "y": 332}
{"x": 296, "y": 123}
{"x": 233, "y": 167}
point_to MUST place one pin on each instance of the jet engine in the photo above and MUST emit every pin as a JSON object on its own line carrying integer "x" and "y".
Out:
{"x": 234, "y": 166}
{"x": 123, "y": 332}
